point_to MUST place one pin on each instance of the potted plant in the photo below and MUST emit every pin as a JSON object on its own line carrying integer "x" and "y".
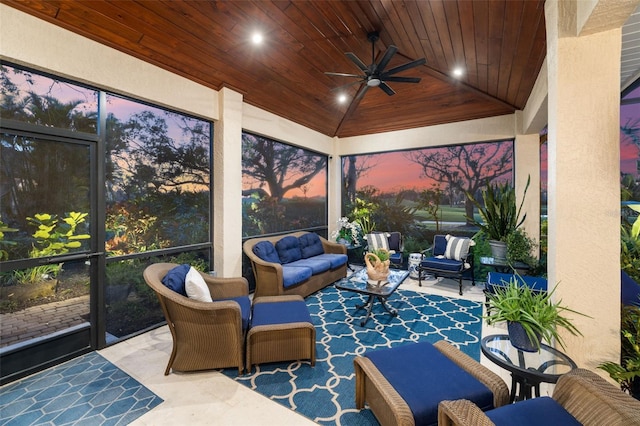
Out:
{"x": 627, "y": 372}
{"x": 531, "y": 316}
{"x": 500, "y": 216}
{"x": 520, "y": 248}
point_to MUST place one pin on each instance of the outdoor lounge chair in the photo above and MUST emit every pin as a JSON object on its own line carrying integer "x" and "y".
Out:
{"x": 206, "y": 335}
{"x": 391, "y": 241}
{"x": 451, "y": 257}
{"x": 581, "y": 397}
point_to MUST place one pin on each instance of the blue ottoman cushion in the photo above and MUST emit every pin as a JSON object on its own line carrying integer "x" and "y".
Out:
{"x": 537, "y": 411}
{"x": 269, "y": 313}
{"x": 500, "y": 279}
{"x": 415, "y": 369}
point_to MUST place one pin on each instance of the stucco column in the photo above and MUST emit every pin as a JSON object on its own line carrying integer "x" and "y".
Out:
{"x": 334, "y": 198}
{"x": 584, "y": 187}
{"x": 227, "y": 179}
{"x": 527, "y": 166}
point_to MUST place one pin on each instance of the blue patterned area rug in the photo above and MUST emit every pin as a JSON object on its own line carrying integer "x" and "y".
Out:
{"x": 326, "y": 393}
{"x": 88, "y": 390}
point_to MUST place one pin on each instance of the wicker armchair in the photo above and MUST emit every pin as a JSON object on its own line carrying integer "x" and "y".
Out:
{"x": 205, "y": 335}
{"x": 587, "y": 397}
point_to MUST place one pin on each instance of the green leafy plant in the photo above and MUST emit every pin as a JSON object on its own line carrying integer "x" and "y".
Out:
{"x": 627, "y": 372}
{"x": 55, "y": 236}
{"x": 4, "y": 255}
{"x": 382, "y": 254}
{"x": 520, "y": 247}
{"x": 499, "y": 213}
{"x": 535, "y": 311}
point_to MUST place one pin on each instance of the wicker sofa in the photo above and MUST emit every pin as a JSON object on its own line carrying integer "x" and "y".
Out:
{"x": 298, "y": 263}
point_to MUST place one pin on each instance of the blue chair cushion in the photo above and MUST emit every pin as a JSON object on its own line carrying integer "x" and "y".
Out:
{"x": 448, "y": 265}
{"x": 395, "y": 258}
{"x": 439, "y": 245}
{"x": 630, "y": 290}
{"x": 175, "y": 279}
{"x": 292, "y": 275}
{"x": 280, "y": 313}
{"x": 394, "y": 241}
{"x": 336, "y": 260}
{"x": 266, "y": 251}
{"x": 500, "y": 279}
{"x": 432, "y": 378}
{"x": 537, "y": 411}
{"x": 288, "y": 249}
{"x": 310, "y": 245}
{"x": 245, "y": 308}
{"x": 317, "y": 265}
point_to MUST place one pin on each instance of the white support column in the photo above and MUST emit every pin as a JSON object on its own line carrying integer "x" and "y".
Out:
{"x": 227, "y": 179}
{"x": 584, "y": 188}
{"x": 527, "y": 166}
{"x": 334, "y": 198}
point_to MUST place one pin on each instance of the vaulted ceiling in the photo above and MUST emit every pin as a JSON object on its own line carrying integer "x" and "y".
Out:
{"x": 500, "y": 45}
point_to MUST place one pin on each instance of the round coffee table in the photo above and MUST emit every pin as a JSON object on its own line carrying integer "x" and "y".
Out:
{"x": 528, "y": 369}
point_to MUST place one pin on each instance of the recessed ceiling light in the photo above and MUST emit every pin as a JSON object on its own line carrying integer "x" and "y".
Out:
{"x": 457, "y": 72}
{"x": 257, "y": 38}
{"x": 342, "y": 98}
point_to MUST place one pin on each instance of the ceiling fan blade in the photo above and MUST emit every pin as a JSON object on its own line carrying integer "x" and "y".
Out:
{"x": 391, "y": 50}
{"x": 386, "y": 89}
{"x": 402, "y": 79}
{"x": 406, "y": 66}
{"x": 346, "y": 85}
{"x": 363, "y": 89}
{"x": 357, "y": 61}
{"x": 340, "y": 74}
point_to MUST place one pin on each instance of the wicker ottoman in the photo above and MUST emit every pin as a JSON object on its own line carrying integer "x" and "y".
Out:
{"x": 426, "y": 374}
{"x": 281, "y": 330}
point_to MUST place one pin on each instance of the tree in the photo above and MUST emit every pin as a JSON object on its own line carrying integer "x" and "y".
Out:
{"x": 354, "y": 167}
{"x": 465, "y": 168}
{"x": 279, "y": 166}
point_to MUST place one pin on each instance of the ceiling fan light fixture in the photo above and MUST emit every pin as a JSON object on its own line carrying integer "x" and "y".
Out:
{"x": 257, "y": 38}
{"x": 373, "y": 82}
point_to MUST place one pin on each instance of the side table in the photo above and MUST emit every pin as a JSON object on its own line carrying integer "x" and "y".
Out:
{"x": 502, "y": 265}
{"x": 528, "y": 369}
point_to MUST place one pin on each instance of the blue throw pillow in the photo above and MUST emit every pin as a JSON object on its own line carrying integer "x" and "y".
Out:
{"x": 288, "y": 249}
{"x": 266, "y": 251}
{"x": 176, "y": 277}
{"x": 310, "y": 245}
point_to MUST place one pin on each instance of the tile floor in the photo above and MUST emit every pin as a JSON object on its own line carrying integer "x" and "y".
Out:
{"x": 212, "y": 398}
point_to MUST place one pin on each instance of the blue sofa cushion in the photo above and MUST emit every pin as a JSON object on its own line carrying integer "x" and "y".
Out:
{"x": 292, "y": 275}
{"x": 432, "y": 378}
{"x": 310, "y": 245}
{"x": 630, "y": 290}
{"x": 317, "y": 265}
{"x": 537, "y": 411}
{"x": 500, "y": 279}
{"x": 288, "y": 249}
{"x": 280, "y": 313}
{"x": 176, "y": 277}
{"x": 448, "y": 265}
{"x": 266, "y": 251}
{"x": 245, "y": 308}
{"x": 394, "y": 241}
{"x": 336, "y": 260}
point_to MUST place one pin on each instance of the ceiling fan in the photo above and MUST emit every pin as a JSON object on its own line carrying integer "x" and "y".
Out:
{"x": 375, "y": 74}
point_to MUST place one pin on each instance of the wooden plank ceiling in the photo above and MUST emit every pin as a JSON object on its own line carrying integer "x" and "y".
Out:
{"x": 500, "y": 44}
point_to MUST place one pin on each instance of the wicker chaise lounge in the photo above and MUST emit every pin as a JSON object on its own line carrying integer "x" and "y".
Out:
{"x": 421, "y": 368}
{"x": 205, "y": 335}
{"x": 582, "y": 395}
